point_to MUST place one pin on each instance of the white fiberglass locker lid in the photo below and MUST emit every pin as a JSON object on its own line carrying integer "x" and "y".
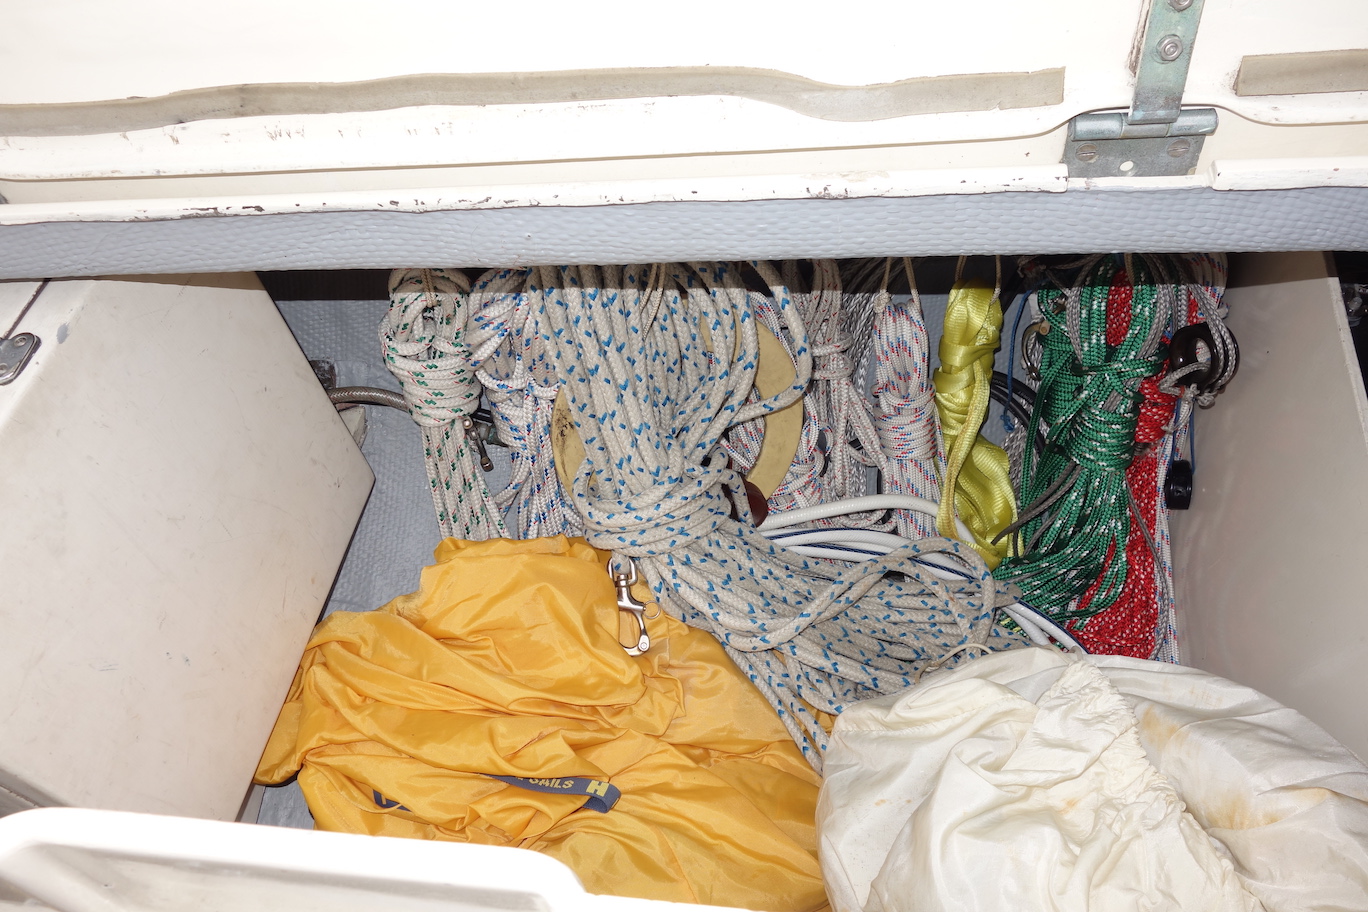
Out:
{"x": 521, "y": 120}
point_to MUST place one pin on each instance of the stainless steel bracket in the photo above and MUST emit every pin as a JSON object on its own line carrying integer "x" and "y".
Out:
{"x": 1161, "y": 67}
{"x": 15, "y": 354}
{"x": 1156, "y": 137}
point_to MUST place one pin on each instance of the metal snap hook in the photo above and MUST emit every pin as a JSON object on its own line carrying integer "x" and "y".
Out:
{"x": 1031, "y": 347}
{"x": 623, "y": 581}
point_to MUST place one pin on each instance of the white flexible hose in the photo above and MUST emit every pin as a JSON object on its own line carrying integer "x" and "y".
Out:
{"x": 859, "y": 505}
{"x": 864, "y": 544}
{"x": 851, "y": 537}
{"x": 833, "y": 553}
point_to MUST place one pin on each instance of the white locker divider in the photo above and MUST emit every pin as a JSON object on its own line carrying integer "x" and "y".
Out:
{"x": 1268, "y": 563}
{"x": 177, "y": 493}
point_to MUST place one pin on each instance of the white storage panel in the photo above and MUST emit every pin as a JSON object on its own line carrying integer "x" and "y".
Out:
{"x": 177, "y": 494}
{"x": 1269, "y": 563}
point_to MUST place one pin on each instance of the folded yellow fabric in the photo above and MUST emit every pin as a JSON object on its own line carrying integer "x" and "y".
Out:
{"x": 506, "y": 662}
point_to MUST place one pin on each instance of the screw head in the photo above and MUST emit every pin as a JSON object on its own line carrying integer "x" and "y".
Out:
{"x": 20, "y": 341}
{"x": 1179, "y": 6}
{"x": 1086, "y": 152}
{"x": 1179, "y": 147}
{"x": 1170, "y": 48}
{"x": 4, "y": 368}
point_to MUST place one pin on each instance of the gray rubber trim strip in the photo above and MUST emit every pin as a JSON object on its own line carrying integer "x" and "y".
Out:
{"x": 1307, "y": 73}
{"x": 924, "y": 95}
{"x": 1078, "y": 221}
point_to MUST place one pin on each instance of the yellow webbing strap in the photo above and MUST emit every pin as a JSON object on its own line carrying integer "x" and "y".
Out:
{"x": 976, "y": 471}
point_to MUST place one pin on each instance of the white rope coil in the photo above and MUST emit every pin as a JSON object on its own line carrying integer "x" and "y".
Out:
{"x": 1204, "y": 277}
{"x": 834, "y": 402}
{"x": 907, "y": 421}
{"x": 521, "y": 387}
{"x": 652, "y": 402}
{"x": 423, "y": 339}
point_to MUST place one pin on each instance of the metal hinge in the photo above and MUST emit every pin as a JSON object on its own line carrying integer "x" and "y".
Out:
{"x": 1108, "y": 145}
{"x": 1157, "y": 137}
{"x": 17, "y": 348}
{"x": 15, "y": 353}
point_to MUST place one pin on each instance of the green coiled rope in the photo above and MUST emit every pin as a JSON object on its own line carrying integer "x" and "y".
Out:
{"x": 1076, "y": 511}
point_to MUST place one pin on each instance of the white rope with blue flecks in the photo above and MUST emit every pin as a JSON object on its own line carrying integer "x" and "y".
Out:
{"x": 521, "y": 386}
{"x": 651, "y": 403}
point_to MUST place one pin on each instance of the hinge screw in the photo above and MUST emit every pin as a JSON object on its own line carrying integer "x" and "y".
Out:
{"x": 1179, "y": 147}
{"x": 1180, "y": 5}
{"x": 1086, "y": 152}
{"x": 1170, "y": 48}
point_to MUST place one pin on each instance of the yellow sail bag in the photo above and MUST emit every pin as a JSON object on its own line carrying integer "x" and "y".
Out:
{"x": 506, "y": 662}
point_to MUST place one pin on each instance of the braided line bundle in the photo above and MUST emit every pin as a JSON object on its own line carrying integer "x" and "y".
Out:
{"x": 908, "y": 425}
{"x": 1129, "y": 626}
{"x": 521, "y": 386}
{"x": 838, "y": 441}
{"x": 1076, "y": 517}
{"x": 423, "y": 337}
{"x": 652, "y": 401}
{"x": 1204, "y": 277}
{"x": 1141, "y": 621}
{"x": 1120, "y": 310}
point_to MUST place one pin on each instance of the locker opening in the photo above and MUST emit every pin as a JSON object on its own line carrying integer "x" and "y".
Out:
{"x": 1285, "y": 306}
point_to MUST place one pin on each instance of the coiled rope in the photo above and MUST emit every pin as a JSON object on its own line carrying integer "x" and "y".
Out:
{"x": 839, "y": 440}
{"x": 423, "y": 337}
{"x": 1130, "y": 625}
{"x": 1102, "y": 341}
{"x": 908, "y": 425}
{"x": 651, "y": 401}
{"x": 1204, "y": 278}
{"x": 520, "y": 383}
{"x": 1128, "y": 608}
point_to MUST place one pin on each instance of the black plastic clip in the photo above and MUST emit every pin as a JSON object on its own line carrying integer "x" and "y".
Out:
{"x": 1178, "y": 486}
